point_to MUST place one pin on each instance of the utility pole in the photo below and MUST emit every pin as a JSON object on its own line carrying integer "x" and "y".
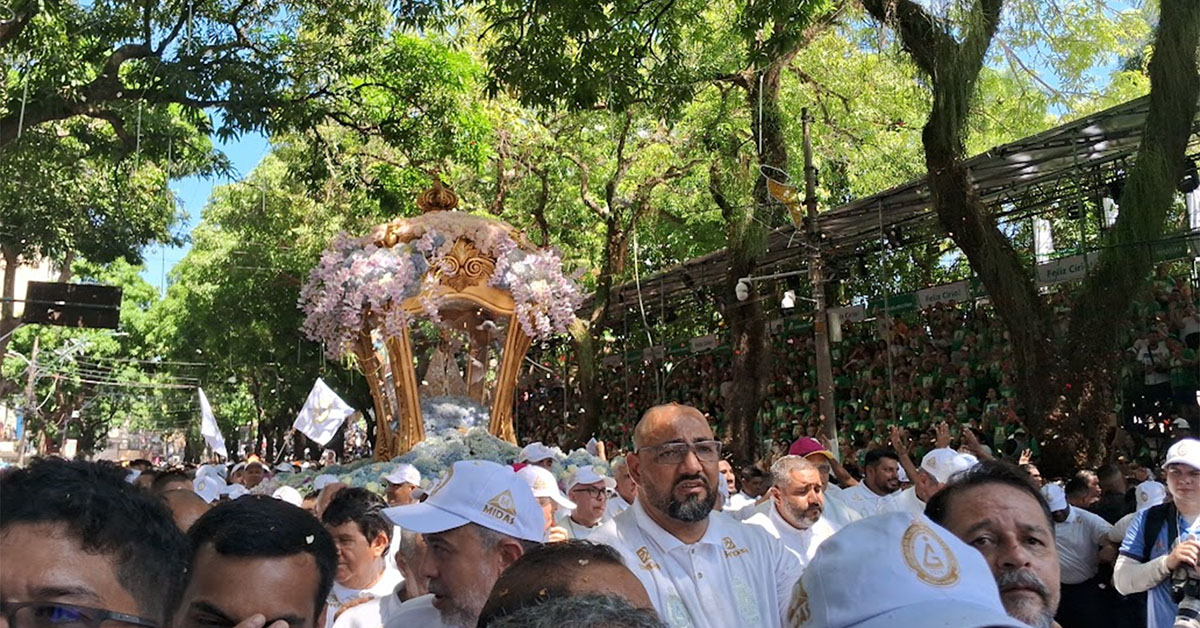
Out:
{"x": 817, "y": 277}
{"x": 30, "y": 402}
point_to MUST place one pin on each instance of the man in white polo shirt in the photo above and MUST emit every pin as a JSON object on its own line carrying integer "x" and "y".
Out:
{"x": 797, "y": 501}
{"x": 589, "y": 491}
{"x": 400, "y": 484}
{"x": 479, "y": 520}
{"x": 836, "y": 511}
{"x": 936, "y": 469}
{"x": 700, "y": 569}
{"x": 873, "y": 495}
{"x": 1082, "y": 541}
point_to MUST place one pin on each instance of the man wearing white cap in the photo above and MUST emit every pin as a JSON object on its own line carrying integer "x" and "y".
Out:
{"x": 589, "y": 491}
{"x": 1146, "y": 495}
{"x": 936, "y": 468}
{"x": 545, "y": 489}
{"x": 1163, "y": 538}
{"x": 400, "y": 484}
{"x": 1082, "y": 541}
{"x": 701, "y": 570}
{"x": 210, "y": 487}
{"x": 539, "y": 455}
{"x": 479, "y": 520}
{"x": 917, "y": 575}
{"x": 797, "y": 503}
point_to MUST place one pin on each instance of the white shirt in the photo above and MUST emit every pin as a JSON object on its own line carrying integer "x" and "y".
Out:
{"x": 416, "y": 613}
{"x": 907, "y": 501}
{"x": 1078, "y": 540}
{"x": 864, "y": 501}
{"x": 373, "y": 613}
{"x": 339, "y": 595}
{"x": 576, "y": 530}
{"x": 739, "y": 501}
{"x": 616, "y": 505}
{"x": 836, "y": 510}
{"x": 736, "y": 575}
{"x": 802, "y": 543}
{"x": 1117, "y": 533}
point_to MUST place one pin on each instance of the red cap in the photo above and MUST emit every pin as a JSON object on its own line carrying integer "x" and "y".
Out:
{"x": 805, "y": 446}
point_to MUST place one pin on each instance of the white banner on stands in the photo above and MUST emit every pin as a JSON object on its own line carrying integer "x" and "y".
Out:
{"x": 956, "y": 292}
{"x": 704, "y": 343}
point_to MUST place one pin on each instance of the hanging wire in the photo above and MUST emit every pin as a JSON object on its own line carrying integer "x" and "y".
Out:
{"x": 891, "y": 321}
{"x": 637, "y": 282}
{"x": 24, "y": 98}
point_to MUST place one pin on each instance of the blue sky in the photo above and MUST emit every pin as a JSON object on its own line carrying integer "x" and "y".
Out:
{"x": 244, "y": 153}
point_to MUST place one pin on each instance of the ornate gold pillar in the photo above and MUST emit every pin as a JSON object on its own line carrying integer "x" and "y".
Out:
{"x": 516, "y": 345}
{"x": 404, "y": 382}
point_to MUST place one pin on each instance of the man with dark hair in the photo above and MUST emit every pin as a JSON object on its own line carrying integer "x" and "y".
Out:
{"x": 1114, "y": 502}
{"x": 80, "y": 544}
{"x": 995, "y": 508}
{"x": 558, "y": 570}
{"x": 171, "y": 480}
{"x": 1083, "y": 489}
{"x": 755, "y": 483}
{"x": 259, "y": 560}
{"x": 875, "y": 493}
{"x": 585, "y": 611}
{"x": 354, "y": 518}
{"x": 479, "y": 520}
{"x": 700, "y": 569}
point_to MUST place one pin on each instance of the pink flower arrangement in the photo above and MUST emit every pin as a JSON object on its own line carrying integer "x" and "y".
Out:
{"x": 357, "y": 284}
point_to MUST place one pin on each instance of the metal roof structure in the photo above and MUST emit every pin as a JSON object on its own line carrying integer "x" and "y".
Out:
{"x": 1073, "y": 162}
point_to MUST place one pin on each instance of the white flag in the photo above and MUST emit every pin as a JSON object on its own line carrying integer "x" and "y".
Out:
{"x": 209, "y": 428}
{"x": 322, "y": 414}
{"x": 1043, "y": 240}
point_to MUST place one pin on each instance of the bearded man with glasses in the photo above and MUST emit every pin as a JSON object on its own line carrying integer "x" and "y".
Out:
{"x": 694, "y": 562}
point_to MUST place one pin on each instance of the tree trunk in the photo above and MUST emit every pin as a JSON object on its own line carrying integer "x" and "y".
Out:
{"x": 8, "y": 322}
{"x": 585, "y": 335}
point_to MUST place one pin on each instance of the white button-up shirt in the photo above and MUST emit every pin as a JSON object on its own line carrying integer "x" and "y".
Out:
{"x": 1079, "y": 539}
{"x": 802, "y": 543}
{"x": 735, "y": 576}
{"x": 907, "y": 501}
{"x": 340, "y": 595}
{"x": 418, "y": 611}
{"x": 616, "y": 505}
{"x": 865, "y": 502}
{"x": 576, "y": 530}
{"x": 738, "y": 501}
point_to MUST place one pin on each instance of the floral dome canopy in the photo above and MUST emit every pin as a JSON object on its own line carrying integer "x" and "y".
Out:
{"x": 476, "y": 281}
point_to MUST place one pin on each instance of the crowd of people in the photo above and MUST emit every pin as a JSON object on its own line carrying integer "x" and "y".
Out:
{"x": 670, "y": 535}
{"x": 946, "y": 363}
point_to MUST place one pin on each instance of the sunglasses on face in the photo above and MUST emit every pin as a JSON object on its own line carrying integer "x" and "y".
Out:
{"x": 56, "y": 615}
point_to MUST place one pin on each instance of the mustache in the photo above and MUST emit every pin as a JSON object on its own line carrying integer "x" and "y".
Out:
{"x": 692, "y": 478}
{"x": 1021, "y": 579}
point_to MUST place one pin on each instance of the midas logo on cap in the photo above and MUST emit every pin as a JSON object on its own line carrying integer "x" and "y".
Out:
{"x": 502, "y": 507}
{"x": 928, "y": 556}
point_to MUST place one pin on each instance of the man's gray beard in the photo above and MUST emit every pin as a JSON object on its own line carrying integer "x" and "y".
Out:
{"x": 801, "y": 519}
{"x": 1036, "y": 615}
{"x": 692, "y": 509}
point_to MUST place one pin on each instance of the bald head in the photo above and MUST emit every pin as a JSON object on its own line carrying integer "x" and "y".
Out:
{"x": 186, "y": 507}
{"x": 659, "y": 420}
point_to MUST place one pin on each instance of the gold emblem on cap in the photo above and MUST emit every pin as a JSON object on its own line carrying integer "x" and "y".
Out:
{"x": 1183, "y": 448}
{"x": 798, "y": 611}
{"x": 502, "y": 507}
{"x": 445, "y": 480}
{"x": 928, "y": 556}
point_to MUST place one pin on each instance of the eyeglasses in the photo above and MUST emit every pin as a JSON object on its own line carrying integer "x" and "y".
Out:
{"x": 55, "y": 615}
{"x": 674, "y": 453}
{"x": 590, "y": 491}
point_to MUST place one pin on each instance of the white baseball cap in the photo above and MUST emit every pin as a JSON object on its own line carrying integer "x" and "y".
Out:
{"x": 404, "y": 473}
{"x": 475, "y": 491}
{"x": 207, "y": 469}
{"x": 1186, "y": 451}
{"x": 902, "y": 475}
{"x": 1181, "y": 423}
{"x": 285, "y": 467}
{"x": 587, "y": 475}
{"x": 234, "y": 491}
{"x": 1149, "y": 493}
{"x": 536, "y": 452}
{"x": 543, "y": 484}
{"x": 944, "y": 462}
{"x": 926, "y": 578}
{"x": 289, "y": 495}
{"x": 237, "y": 467}
{"x": 323, "y": 480}
{"x": 209, "y": 487}
{"x": 1055, "y": 496}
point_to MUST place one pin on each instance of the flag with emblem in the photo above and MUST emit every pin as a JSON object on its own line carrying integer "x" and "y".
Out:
{"x": 209, "y": 428}
{"x": 322, "y": 414}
